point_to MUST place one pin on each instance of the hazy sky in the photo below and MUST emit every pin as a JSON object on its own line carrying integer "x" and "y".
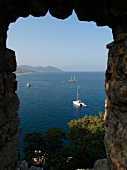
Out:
{"x": 69, "y": 44}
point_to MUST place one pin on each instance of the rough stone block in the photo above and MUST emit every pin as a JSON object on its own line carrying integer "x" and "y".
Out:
{"x": 101, "y": 164}
{"x": 1, "y": 87}
{"x": 9, "y": 81}
{"x": 9, "y": 153}
{"x": 11, "y": 60}
{"x": 2, "y": 118}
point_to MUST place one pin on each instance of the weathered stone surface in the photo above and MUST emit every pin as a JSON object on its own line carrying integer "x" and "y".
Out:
{"x": 11, "y": 60}
{"x": 103, "y": 12}
{"x": 116, "y": 74}
{"x": 35, "y": 168}
{"x": 9, "y": 121}
{"x": 8, "y": 61}
{"x": 1, "y": 87}
{"x": 115, "y": 140}
{"x": 9, "y": 154}
{"x": 40, "y": 8}
{"x": 101, "y": 164}
{"x": 116, "y": 111}
{"x": 22, "y": 165}
{"x": 2, "y": 118}
{"x": 60, "y": 9}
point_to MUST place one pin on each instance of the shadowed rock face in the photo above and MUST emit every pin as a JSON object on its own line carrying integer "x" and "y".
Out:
{"x": 112, "y": 13}
{"x": 9, "y": 105}
{"x": 103, "y": 12}
{"x": 116, "y": 89}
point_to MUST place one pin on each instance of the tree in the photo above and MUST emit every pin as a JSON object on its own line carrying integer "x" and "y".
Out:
{"x": 54, "y": 138}
{"x": 56, "y": 151}
{"x": 45, "y": 149}
{"x": 86, "y": 140}
{"x": 34, "y": 146}
{"x": 79, "y": 148}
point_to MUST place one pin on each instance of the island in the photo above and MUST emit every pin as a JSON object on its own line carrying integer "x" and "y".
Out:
{"x": 28, "y": 69}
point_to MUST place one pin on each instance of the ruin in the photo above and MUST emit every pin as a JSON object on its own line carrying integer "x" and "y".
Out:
{"x": 111, "y": 13}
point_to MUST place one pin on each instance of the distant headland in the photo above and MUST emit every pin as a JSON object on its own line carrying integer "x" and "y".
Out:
{"x": 28, "y": 69}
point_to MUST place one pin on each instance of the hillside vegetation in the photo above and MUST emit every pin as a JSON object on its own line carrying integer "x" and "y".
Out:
{"x": 77, "y": 149}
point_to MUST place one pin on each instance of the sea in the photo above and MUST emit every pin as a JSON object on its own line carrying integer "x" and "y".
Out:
{"x": 48, "y": 102}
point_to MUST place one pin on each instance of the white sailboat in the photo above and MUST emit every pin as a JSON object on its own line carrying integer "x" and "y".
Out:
{"x": 78, "y": 102}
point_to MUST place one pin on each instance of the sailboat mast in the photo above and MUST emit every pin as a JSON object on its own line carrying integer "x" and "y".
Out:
{"x": 77, "y": 93}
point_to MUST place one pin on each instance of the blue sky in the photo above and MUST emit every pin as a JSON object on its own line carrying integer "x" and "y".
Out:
{"x": 69, "y": 44}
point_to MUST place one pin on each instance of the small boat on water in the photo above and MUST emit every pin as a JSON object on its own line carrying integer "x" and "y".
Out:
{"x": 28, "y": 85}
{"x": 78, "y": 102}
{"x": 72, "y": 80}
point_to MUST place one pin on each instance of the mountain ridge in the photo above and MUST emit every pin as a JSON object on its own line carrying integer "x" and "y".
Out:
{"x": 28, "y": 68}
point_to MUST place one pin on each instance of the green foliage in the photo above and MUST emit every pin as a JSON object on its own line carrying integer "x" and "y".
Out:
{"x": 54, "y": 139}
{"x": 59, "y": 159}
{"x": 33, "y": 141}
{"x": 85, "y": 138}
{"x": 48, "y": 143}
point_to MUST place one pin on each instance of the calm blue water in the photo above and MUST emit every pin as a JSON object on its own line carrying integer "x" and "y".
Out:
{"x": 48, "y": 102}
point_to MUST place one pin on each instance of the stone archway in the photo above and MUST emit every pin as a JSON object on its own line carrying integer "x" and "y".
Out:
{"x": 111, "y": 13}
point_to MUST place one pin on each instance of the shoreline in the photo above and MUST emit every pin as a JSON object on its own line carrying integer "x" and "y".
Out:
{"x": 23, "y": 73}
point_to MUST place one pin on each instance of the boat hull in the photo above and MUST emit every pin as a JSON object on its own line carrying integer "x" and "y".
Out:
{"x": 79, "y": 103}
{"x": 28, "y": 85}
{"x": 72, "y": 80}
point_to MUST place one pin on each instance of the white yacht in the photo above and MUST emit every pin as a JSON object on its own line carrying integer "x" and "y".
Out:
{"x": 78, "y": 102}
{"x": 28, "y": 85}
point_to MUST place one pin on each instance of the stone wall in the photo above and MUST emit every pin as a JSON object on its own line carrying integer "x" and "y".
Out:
{"x": 8, "y": 121}
{"x": 116, "y": 104}
{"x": 9, "y": 105}
{"x": 104, "y": 13}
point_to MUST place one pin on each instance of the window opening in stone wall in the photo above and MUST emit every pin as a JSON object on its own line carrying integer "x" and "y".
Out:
{"x": 63, "y": 48}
